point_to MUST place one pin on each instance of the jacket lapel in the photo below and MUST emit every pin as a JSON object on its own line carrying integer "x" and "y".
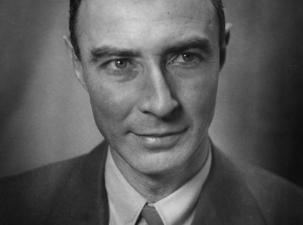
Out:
{"x": 225, "y": 198}
{"x": 83, "y": 200}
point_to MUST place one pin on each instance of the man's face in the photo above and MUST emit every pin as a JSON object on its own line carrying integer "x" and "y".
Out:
{"x": 151, "y": 71}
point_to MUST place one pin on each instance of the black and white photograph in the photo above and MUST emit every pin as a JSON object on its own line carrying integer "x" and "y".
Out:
{"x": 151, "y": 112}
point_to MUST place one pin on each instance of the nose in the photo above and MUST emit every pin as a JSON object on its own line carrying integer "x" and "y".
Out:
{"x": 159, "y": 95}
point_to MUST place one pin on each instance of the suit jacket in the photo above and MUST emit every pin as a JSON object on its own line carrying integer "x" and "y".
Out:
{"x": 73, "y": 192}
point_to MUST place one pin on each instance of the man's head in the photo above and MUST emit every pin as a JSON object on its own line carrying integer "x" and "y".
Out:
{"x": 151, "y": 70}
{"x": 75, "y": 4}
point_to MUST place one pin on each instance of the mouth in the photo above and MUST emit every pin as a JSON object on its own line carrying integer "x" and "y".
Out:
{"x": 160, "y": 140}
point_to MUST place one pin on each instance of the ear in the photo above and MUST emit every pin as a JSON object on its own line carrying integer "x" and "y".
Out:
{"x": 228, "y": 27}
{"x": 223, "y": 49}
{"x": 78, "y": 68}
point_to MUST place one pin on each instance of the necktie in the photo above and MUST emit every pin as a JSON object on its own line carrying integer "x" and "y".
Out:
{"x": 151, "y": 216}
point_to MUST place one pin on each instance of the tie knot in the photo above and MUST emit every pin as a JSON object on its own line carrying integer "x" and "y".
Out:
{"x": 151, "y": 216}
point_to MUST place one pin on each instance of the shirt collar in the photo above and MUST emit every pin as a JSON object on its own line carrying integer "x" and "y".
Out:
{"x": 126, "y": 203}
{"x": 178, "y": 206}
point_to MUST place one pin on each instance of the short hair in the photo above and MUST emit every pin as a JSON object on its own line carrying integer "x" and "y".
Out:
{"x": 75, "y": 5}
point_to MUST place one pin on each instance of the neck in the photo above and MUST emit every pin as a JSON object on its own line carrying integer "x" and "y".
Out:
{"x": 154, "y": 187}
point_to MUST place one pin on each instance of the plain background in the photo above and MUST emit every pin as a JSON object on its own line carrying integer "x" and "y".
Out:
{"x": 45, "y": 114}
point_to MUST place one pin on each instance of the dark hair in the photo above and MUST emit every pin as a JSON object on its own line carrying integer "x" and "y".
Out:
{"x": 74, "y": 8}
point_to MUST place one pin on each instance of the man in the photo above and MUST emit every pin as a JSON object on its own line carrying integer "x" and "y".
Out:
{"x": 151, "y": 69}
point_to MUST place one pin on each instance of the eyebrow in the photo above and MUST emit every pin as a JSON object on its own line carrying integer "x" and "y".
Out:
{"x": 109, "y": 51}
{"x": 192, "y": 43}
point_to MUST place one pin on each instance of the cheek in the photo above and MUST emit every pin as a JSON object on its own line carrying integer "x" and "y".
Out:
{"x": 111, "y": 106}
{"x": 199, "y": 99}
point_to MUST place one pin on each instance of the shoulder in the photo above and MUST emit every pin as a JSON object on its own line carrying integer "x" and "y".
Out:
{"x": 29, "y": 196}
{"x": 38, "y": 179}
{"x": 280, "y": 201}
{"x": 32, "y": 192}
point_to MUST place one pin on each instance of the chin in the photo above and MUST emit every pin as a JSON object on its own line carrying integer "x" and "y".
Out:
{"x": 160, "y": 163}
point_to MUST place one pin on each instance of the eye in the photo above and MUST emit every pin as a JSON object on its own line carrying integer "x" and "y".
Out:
{"x": 121, "y": 63}
{"x": 121, "y": 67}
{"x": 187, "y": 59}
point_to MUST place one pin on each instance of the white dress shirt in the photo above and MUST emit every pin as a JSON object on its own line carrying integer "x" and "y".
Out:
{"x": 125, "y": 203}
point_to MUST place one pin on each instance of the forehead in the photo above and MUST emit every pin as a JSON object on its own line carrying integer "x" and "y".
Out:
{"x": 147, "y": 7}
{"x": 150, "y": 20}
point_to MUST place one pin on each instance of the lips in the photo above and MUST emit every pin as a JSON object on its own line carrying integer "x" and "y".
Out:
{"x": 160, "y": 140}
